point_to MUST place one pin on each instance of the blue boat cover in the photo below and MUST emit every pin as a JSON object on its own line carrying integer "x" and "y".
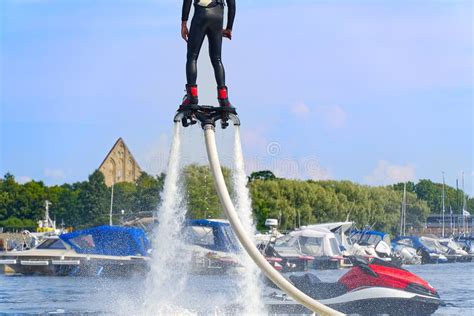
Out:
{"x": 369, "y": 232}
{"x": 109, "y": 240}
{"x": 224, "y": 237}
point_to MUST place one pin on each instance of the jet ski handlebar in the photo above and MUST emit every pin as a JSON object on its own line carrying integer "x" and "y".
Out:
{"x": 207, "y": 115}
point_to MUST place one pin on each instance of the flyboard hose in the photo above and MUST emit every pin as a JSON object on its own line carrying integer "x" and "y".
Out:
{"x": 257, "y": 257}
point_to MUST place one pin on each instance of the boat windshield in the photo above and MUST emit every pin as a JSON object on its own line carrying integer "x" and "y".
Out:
{"x": 428, "y": 243}
{"x": 51, "y": 244}
{"x": 284, "y": 241}
{"x": 311, "y": 245}
{"x": 334, "y": 246}
{"x": 365, "y": 239}
{"x": 220, "y": 238}
{"x": 83, "y": 241}
{"x": 231, "y": 242}
{"x": 405, "y": 242}
{"x": 443, "y": 248}
{"x": 199, "y": 235}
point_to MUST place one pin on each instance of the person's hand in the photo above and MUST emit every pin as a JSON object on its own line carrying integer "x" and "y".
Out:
{"x": 184, "y": 31}
{"x": 227, "y": 33}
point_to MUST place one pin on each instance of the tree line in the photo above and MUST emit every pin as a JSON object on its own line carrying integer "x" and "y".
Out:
{"x": 294, "y": 202}
{"x": 81, "y": 204}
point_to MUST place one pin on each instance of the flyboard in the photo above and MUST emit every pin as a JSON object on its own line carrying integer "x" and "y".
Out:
{"x": 208, "y": 116}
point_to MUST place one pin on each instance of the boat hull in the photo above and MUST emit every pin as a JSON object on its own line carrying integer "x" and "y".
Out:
{"x": 366, "y": 301}
{"x": 73, "y": 266}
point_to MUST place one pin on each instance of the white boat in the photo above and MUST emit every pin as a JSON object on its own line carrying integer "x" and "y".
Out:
{"x": 320, "y": 244}
{"x": 455, "y": 248}
{"x": 341, "y": 230}
{"x": 404, "y": 249}
{"x": 103, "y": 250}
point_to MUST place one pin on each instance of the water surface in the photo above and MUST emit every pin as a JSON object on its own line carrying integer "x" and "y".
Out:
{"x": 209, "y": 294}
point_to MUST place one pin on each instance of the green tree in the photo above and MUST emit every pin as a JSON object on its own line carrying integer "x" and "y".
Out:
{"x": 147, "y": 195}
{"x": 201, "y": 195}
{"x": 262, "y": 175}
{"x": 94, "y": 199}
{"x": 67, "y": 205}
{"x": 123, "y": 202}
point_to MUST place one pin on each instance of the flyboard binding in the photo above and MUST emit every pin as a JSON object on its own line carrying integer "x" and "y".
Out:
{"x": 207, "y": 115}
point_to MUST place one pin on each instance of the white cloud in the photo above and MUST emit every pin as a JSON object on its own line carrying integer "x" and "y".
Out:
{"x": 333, "y": 116}
{"x": 301, "y": 110}
{"x": 23, "y": 179}
{"x": 55, "y": 174}
{"x": 386, "y": 173}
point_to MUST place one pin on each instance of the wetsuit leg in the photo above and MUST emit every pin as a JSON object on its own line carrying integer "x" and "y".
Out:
{"x": 206, "y": 22}
{"x": 196, "y": 36}
{"x": 214, "y": 35}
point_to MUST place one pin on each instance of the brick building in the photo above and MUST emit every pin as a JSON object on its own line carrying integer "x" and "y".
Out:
{"x": 119, "y": 165}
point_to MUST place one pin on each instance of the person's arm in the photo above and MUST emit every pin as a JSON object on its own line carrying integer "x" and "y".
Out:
{"x": 184, "y": 19}
{"x": 230, "y": 19}
{"x": 230, "y": 14}
{"x": 185, "y": 11}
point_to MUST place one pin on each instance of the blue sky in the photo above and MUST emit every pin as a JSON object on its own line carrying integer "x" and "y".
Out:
{"x": 371, "y": 91}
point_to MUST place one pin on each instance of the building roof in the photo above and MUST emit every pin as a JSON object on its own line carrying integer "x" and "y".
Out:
{"x": 120, "y": 141}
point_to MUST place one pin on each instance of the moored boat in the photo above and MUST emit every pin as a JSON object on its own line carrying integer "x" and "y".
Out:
{"x": 103, "y": 250}
{"x": 425, "y": 247}
{"x": 213, "y": 245}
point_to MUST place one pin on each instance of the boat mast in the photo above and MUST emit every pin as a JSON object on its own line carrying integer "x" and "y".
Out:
{"x": 464, "y": 211}
{"x": 457, "y": 204}
{"x": 401, "y": 219}
{"x": 116, "y": 178}
{"x": 403, "y": 214}
{"x": 442, "y": 230}
{"x": 111, "y": 204}
{"x": 405, "y": 208}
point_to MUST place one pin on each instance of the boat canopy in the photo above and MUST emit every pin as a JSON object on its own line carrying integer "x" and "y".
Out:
{"x": 212, "y": 234}
{"x": 320, "y": 242}
{"x": 109, "y": 240}
{"x": 369, "y": 237}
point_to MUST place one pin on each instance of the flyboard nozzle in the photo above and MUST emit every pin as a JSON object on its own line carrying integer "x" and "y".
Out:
{"x": 207, "y": 115}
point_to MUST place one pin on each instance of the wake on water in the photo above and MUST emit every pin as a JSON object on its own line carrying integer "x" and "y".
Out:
{"x": 170, "y": 266}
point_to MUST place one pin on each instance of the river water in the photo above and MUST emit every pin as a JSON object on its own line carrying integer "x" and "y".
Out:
{"x": 33, "y": 295}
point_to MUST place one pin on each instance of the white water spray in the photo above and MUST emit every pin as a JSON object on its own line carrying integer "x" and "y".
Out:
{"x": 250, "y": 283}
{"x": 167, "y": 277}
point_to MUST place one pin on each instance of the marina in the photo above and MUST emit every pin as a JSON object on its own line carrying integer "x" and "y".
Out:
{"x": 326, "y": 170}
{"x": 312, "y": 258}
{"x": 34, "y": 295}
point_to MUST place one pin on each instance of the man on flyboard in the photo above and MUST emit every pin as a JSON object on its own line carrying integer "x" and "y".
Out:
{"x": 208, "y": 20}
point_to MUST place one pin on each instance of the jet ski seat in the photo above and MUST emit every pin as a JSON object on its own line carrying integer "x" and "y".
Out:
{"x": 312, "y": 286}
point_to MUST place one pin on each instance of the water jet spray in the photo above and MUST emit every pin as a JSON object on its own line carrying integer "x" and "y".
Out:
{"x": 207, "y": 116}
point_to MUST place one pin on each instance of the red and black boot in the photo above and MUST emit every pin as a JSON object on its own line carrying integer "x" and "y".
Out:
{"x": 223, "y": 97}
{"x": 224, "y": 102}
{"x": 191, "y": 97}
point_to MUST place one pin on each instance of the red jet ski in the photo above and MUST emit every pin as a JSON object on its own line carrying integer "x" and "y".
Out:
{"x": 369, "y": 287}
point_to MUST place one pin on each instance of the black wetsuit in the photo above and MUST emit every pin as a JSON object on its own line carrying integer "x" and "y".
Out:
{"x": 207, "y": 21}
